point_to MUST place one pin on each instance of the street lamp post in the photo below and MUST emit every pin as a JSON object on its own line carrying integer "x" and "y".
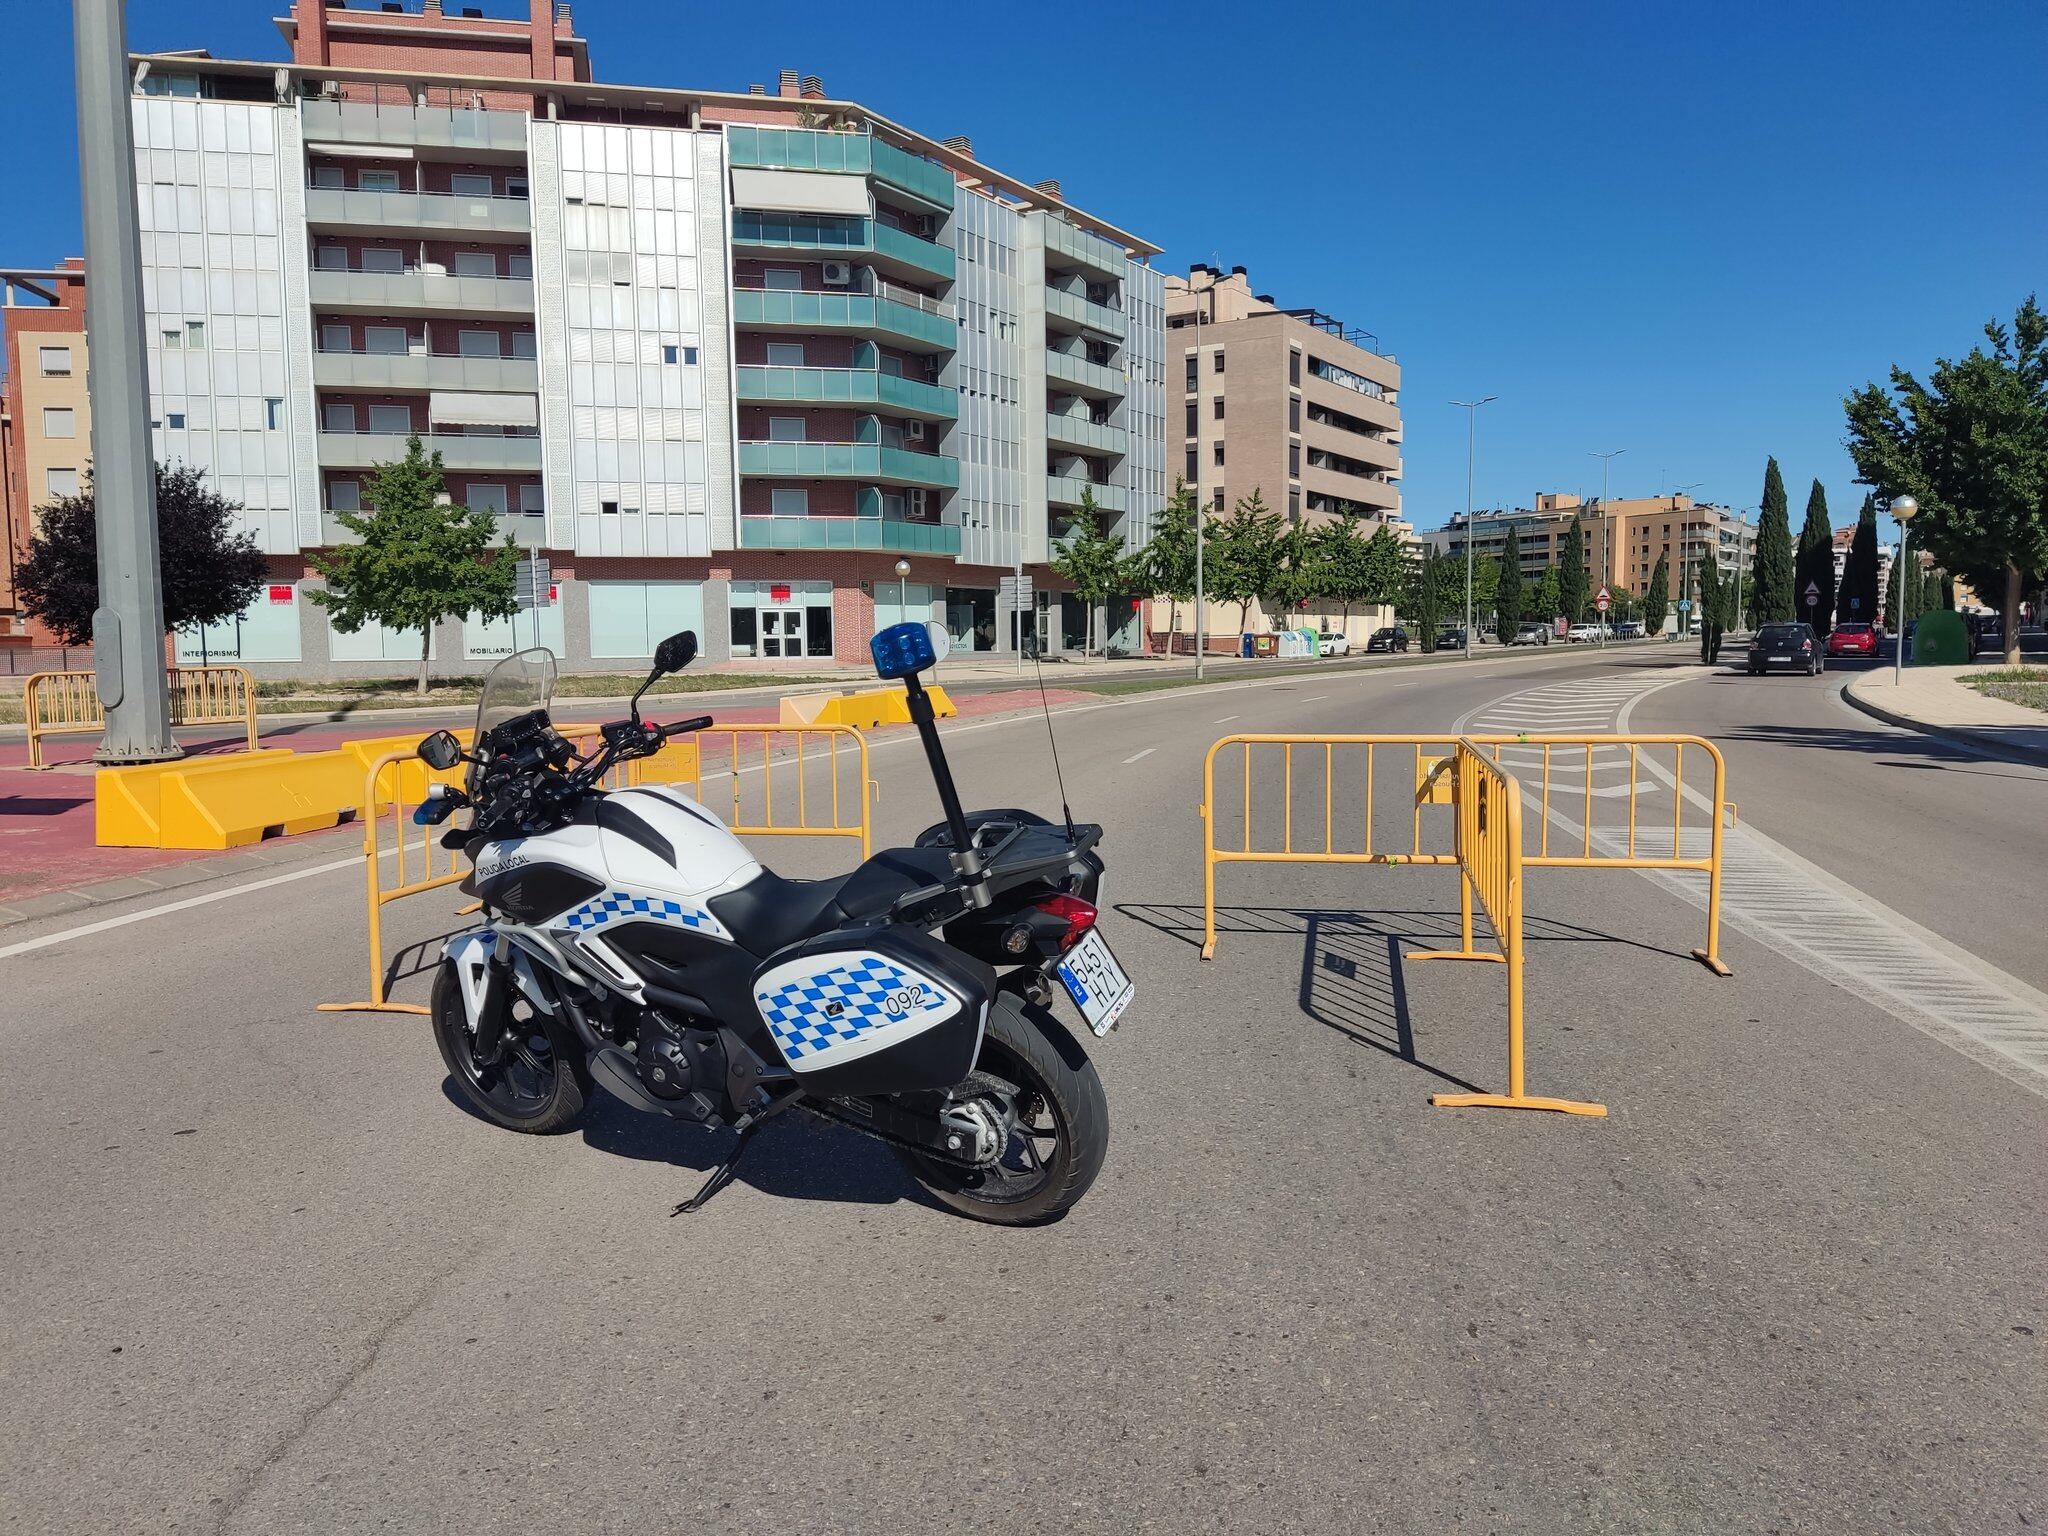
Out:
{"x": 1606, "y": 464}
{"x": 1201, "y": 507}
{"x": 1903, "y": 510}
{"x": 902, "y": 591}
{"x": 1471, "y": 410}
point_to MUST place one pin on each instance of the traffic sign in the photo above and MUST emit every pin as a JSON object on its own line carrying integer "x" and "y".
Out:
{"x": 1604, "y": 600}
{"x": 1684, "y": 604}
{"x": 1812, "y": 593}
{"x": 532, "y": 581}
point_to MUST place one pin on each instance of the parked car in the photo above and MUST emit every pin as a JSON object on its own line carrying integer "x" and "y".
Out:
{"x": 1531, "y": 634}
{"x": 1629, "y": 629}
{"x": 1987, "y": 631}
{"x": 1388, "y": 640}
{"x": 1450, "y": 640}
{"x": 1786, "y": 648}
{"x": 1579, "y": 634}
{"x": 1852, "y": 640}
{"x": 1333, "y": 642}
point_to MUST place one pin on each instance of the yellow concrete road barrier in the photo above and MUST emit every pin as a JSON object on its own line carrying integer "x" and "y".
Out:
{"x": 68, "y": 704}
{"x": 865, "y": 710}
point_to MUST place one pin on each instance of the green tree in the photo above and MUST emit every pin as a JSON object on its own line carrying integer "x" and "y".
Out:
{"x": 1386, "y": 566}
{"x": 1298, "y": 577}
{"x": 1425, "y": 596}
{"x": 211, "y": 569}
{"x": 1816, "y": 563}
{"x": 1657, "y": 601}
{"x": 1770, "y": 592}
{"x": 1856, "y": 603}
{"x": 1097, "y": 565}
{"x": 1971, "y": 446}
{"x": 1712, "y": 609}
{"x": 1571, "y": 573}
{"x": 420, "y": 560}
{"x": 1341, "y": 556}
{"x": 1167, "y": 561}
{"x": 1485, "y": 586}
{"x": 1243, "y": 555}
{"x": 1508, "y": 596}
{"x": 1548, "y": 602}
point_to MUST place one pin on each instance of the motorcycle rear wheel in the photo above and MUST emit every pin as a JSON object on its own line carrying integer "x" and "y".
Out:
{"x": 1062, "y": 1129}
{"x": 541, "y": 1086}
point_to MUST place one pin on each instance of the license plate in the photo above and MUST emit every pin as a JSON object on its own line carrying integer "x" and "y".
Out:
{"x": 1096, "y": 983}
{"x": 1780, "y": 658}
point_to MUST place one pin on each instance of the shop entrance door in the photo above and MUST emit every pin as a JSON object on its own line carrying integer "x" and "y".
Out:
{"x": 782, "y": 632}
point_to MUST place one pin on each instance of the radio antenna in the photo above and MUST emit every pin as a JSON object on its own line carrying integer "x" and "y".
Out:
{"x": 1052, "y": 741}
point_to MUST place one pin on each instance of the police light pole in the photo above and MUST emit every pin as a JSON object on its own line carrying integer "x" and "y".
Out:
{"x": 1471, "y": 410}
{"x": 128, "y": 624}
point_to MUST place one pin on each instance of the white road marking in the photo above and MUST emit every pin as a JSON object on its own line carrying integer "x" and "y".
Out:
{"x": 1136, "y": 755}
{"x": 1226, "y": 720}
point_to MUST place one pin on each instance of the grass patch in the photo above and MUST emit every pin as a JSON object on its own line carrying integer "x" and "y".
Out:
{"x": 2015, "y": 685}
{"x": 1109, "y": 687}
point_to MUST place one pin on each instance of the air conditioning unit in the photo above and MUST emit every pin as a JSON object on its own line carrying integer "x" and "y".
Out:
{"x": 914, "y": 430}
{"x": 839, "y": 273}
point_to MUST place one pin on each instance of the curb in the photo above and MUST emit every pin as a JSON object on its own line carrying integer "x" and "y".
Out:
{"x": 1960, "y": 736}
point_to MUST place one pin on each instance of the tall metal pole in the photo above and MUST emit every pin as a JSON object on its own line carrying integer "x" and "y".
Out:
{"x": 1606, "y": 464}
{"x": 1471, "y": 410}
{"x": 1903, "y": 510}
{"x": 1201, "y": 506}
{"x": 128, "y": 625}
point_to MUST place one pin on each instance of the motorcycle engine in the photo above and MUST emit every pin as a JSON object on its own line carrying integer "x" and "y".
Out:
{"x": 673, "y": 1062}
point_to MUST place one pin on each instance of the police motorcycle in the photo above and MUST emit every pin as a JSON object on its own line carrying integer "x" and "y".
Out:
{"x": 632, "y": 943}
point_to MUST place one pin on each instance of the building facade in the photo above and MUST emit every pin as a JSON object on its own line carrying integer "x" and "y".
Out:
{"x": 45, "y": 415}
{"x": 725, "y": 359}
{"x": 1288, "y": 403}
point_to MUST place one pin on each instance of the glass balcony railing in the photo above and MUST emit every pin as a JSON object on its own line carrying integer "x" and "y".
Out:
{"x": 1067, "y": 490}
{"x": 888, "y": 534}
{"x": 868, "y": 313}
{"x": 805, "y": 149}
{"x": 1088, "y": 436}
{"x": 849, "y": 461}
{"x": 780, "y": 385}
{"x": 1076, "y": 310}
{"x": 1081, "y": 374}
{"x": 1063, "y": 240}
{"x": 921, "y": 178}
{"x": 842, "y": 234}
{"x": 926, "y": 256}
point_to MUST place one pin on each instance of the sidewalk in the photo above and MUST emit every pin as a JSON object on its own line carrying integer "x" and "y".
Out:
{"x": 1933, "y": 701}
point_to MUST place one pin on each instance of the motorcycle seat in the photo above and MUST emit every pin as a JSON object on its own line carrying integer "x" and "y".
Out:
{"x": 769, "y": 912}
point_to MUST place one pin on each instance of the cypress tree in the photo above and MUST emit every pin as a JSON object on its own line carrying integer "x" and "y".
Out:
{"x": 1771, "y": 592}
{"x": 1708, "y": 605}
{"x": 1571, "y": 573}
{"x": 1816, "y": 565}
{"x": 1658, "y": 599}
{"x": 1856, "y": 603}
{"x": 1507, "y": 600}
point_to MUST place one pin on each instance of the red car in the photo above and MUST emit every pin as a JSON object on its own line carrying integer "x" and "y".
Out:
{"x": 1852, "y": 640}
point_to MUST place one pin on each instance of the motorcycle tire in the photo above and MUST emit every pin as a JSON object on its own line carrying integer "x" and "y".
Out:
{"x": 540, "y": 1092}
{"x": 1025, "y": 1045}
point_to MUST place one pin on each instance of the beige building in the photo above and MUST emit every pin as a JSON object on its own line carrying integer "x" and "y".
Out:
{"x": 45, "y": 415}
{"x": 1286, "y": 402}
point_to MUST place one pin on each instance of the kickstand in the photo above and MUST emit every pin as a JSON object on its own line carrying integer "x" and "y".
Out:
{"x": 720, "y": 1176}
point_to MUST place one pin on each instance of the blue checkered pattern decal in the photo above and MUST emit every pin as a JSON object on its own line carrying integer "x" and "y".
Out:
{"x": 617, "y": 906}
{"x": 810, "y": 1015}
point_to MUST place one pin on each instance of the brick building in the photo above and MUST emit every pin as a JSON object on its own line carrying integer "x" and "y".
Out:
{"x": 45, "y": 416}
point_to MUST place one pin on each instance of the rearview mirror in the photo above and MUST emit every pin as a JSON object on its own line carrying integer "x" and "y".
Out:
{"x": 676, "y": 652}
{"x": 440, "y": 751}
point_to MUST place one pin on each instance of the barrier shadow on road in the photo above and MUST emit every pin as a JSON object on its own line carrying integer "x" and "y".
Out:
{"x": 1918, "y": 753}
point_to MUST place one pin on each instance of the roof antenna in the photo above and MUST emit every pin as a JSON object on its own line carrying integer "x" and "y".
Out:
{"x": 1031, "y": 649}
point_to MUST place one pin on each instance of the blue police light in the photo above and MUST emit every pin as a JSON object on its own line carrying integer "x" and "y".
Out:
{"x": 902, "y": 650}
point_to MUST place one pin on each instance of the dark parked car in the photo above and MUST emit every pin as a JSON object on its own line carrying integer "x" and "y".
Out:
{"x": 1388, "y": 640}
{"x": 1450, "y": 640}
{"x": 1786, "y": 648}
{"x": 1987, "y": 631}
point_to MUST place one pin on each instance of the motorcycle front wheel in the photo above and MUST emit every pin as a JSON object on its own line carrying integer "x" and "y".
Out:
{"x": 538, "y": 1088}
{"x": 1061, "y": 1129}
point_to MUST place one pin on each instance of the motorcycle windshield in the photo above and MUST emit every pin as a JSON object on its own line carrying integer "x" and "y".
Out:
{"x": 518, "y": 685}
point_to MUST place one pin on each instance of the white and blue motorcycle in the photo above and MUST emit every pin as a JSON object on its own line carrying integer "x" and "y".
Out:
{"x": 633, "y": 943}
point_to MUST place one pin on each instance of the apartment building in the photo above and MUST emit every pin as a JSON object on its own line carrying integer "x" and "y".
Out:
{"x": 1290, "y": 403}
{"x": 1621, "y": 539}
{"x": 724, "y": 358}
{"x": 45, "y": 416}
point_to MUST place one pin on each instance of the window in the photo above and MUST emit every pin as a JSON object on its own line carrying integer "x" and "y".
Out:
{"x": 1219, "y": 408}
{"x": 479, "y": 344}
{"x": 786, "y": 354}
{"x": 786, "y": 429}
{"x": 1194, "y": 470}
{"x": 1294, "y": 504}
{"x": 515, "y": 186}
{"x": 174, "y": 338}
{"x": 377, "y": 181}
{"x": 1194, "y": 419}
{"x": 175, "y": 420}
{"x": 59, "y": 421}
{"x": 331, "y": 258}
{"x": 336, "y": 338}
{"x": 1294, "y": 413}
{"x": 391, "y": 418}
{"x": 1194, "y": 365}
{"x": 519, "y": 264}
{"x": 530, "y": 503}
{"x": 385, "y": 340}
{"x": 61, "y": 482}
{"x": 326, "y": 175}
{"x": 195, "y": 333}
{"x": 338, "y": 416}
{"x": 1219, "y": 498}
{"x": 475, "y": 264}
{"x": 522, "y": 344}
{"x": 671, "y": 354}
{"x": 345, "y": 495}
{"x": 379, "y": 259}
{"x": 689, "y": 357}
{"x": 1216, "y": 455}
{"x": 784, "y": 502}
{"x": 56, "y": 362}
{"x": 488, "y": 498}
{"x": 469, "y": 184}
{"x": 788, "y": 279}
{"x": 608, "y": 508}
{"x": 273, "y": 414}
{"x": 1294, "y": 367}
{"x": 1294, "y": 460}
{"x": 1219, "y": 360}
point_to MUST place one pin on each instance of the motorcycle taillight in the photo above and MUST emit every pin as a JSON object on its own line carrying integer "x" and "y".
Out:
{"x": 1078, "y": 915}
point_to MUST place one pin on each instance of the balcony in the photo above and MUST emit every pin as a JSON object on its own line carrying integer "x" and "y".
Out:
{"x": 340, "y": 291}
{"x": 774, "y": 384}
{"x": 912, "y": 321}
{"x": 472, "y": 135}
{"x": 1097, "y": 380}
{"x": 420, "y": 213}
{"x": 359, "y": 450}
{"x": 1085, "y": 436}
{"x": 872, "y": 462}
{"x": 1067, "y": 490}
{"x": 836, "y": 235}
{"x": 803, "y": 149}
{"x": 887, "y": 534}
{"x": 1071, "y": 309}
{"x": 1066, "y": 246}
{"x": 411, "y": 371}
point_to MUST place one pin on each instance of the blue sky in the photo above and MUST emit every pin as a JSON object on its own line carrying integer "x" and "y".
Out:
{"x": 1682, "y": 231}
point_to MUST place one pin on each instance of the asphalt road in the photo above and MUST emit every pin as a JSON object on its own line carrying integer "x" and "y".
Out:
{"x": 264, "y": 1276}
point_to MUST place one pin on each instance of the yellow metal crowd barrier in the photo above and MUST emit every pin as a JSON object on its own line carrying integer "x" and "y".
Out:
{"x": 400, "y": 859}
{"x": 68, "y": 703}
{"x": 1490, "y": 843}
